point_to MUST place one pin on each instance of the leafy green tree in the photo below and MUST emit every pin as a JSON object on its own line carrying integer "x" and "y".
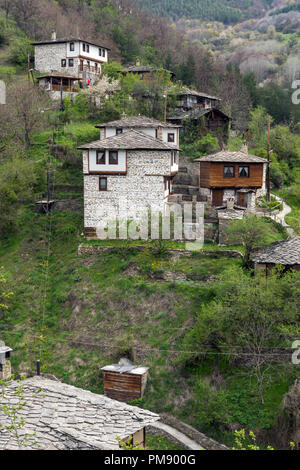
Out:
{"x": 253, "y": 233}
{"x": 246, "y": 321}
{"x": 19, "y": 178}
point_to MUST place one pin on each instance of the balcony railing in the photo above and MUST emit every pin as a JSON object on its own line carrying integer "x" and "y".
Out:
{"x": 56, "y": 87}
{"x": 89, "y": 68}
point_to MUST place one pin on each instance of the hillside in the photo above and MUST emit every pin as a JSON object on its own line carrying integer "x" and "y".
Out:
{"x": 184, "y": 315}
{"x": 227, "y": 12}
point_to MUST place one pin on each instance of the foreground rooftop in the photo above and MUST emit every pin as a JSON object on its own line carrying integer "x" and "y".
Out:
{"x": 65, "y": 417}
{"x": 286, "y": 253}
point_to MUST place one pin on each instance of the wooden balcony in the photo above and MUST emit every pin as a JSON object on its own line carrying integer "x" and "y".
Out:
{"x": 65, "y": 88}
{"x": 89, "y": 68}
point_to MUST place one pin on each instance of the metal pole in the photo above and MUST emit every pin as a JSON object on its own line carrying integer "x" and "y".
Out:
{"x": 61, "y": 108}
{"x": 48, "y": 190}
{"x": 38, "y": 368}
{"x": 269, "y": 162}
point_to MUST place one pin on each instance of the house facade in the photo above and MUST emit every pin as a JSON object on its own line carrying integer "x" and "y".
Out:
{"x": 71, "y": 57}
{"x": 146, "y": 72}
{"x": 128, "y": 173}
{"x": 190, "y": 99}
{"x": 232, "y": 176}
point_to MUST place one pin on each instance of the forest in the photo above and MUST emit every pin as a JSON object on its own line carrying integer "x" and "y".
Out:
{"x": 229, "y": 12}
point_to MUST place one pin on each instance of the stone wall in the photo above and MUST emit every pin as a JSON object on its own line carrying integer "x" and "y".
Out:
{"x": 5, "y": 370}
{"x": 98, "y": 250}
{"x": 131, "y": 194}
{"x": 48, "y": 57}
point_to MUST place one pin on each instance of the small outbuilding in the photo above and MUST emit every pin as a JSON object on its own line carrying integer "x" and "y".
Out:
{"x": 285, "y": 253}
{"x": 5, "y": 366}
{"x": 124, "y": 381}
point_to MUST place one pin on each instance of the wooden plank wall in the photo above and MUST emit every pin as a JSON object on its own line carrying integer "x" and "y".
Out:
{"x": 122, "y": 387}
{"x": 217, "y": 175}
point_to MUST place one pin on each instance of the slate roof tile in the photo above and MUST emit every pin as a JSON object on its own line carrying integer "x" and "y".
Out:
{"x": 131, "y": 140}
{"x": 286, "y": 253}
{"x": 80, "y": 419}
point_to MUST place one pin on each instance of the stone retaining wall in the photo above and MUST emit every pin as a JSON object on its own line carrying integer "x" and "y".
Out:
{"x": 98, "y": 250}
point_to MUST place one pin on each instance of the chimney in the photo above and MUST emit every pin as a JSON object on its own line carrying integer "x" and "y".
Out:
{"x": 230, "y": 204}
{"x": 160, "y": 133}
{"x": 124, "y": 115}
{"x": 244, "y": 148}
{"x": 5, "y": 365}
{"x": 137, "y": 62}
{"x": 124, "y": 381}
{"x": 53, "y": 36}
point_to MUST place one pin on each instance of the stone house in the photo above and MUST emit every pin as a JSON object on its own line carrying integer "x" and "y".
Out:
{"x": 285, "y": 254}
{"x": 190, "y": 99}
{"x": 62, "y": 59}
{"x": 202, "y": 111}
{"x": 145, "y": 72}
{"x": 64, "y": 417}
{"x": 128, "y": 172}
{"x": 232, "y": 177}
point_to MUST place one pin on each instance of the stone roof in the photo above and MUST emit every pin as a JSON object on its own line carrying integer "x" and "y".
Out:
{"x": 285, "y": 253}
{"x": 64, "y": 417}
{"x": 144, "y": 68}
{"x": 195, "y": 113}
{"x": 64, "y": 40}
{"x": 58, "y": 74}
{"x": 131, "y": 140}
{"x": 125, "y": 366}
{"x": 229, "y": 156}
{"x": 136, "y": 121}
{"x": 190, "y": 92}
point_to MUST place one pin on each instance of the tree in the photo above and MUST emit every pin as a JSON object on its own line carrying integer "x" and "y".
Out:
{"x": 11, "y": 408}
{"x": 18, "y": 179}
{"x": 5, "y": 294}
{"x": 253, "y": 233}
{"x": 247, "y": 322}
{"x": 24, "y": 112}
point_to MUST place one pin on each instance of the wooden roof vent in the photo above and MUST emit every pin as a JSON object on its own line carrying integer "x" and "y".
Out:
{"x": 124, "y": 381}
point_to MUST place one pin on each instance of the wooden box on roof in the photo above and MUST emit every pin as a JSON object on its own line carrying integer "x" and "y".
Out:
{"x": 124, "y": 381}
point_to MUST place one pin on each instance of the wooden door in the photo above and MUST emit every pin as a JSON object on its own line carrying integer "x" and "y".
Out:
{"x": 242, "y": 199}
{"x": 81, "y": 66}
{"x": 217, "y": 197}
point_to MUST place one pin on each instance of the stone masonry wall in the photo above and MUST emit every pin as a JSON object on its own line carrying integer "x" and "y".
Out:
{"x": 48, "y": 58}
{"x": 134, "y": 191}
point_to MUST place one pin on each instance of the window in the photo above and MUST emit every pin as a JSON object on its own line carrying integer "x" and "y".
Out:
{"x": 119, "y": 131}
{"x": 171, "y": 137}
{"x": 103, "y": 52}
{"x": 228, "y": 171}
{"x": 174, "y": 158}
{"x": 88, "y": 64}
{"x": 244, "y": 172}
{"x": 83, "y": 47}
{"x": 72, "y": 46}
{"x": 102, "y": 184}
{"x": 63, "y": 62}
{"x": 100, "y": 52}
{"x": 87, "y": 48}
{"x": 71, "y": 62}
{"x": 113, "y": 158}
{"x": 100, "y": 157}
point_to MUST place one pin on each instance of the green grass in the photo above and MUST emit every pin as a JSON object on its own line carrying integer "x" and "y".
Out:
{"x": 160, "y": 443}
{"x": 95, "y": 309}
{"x": 293, "y": 218}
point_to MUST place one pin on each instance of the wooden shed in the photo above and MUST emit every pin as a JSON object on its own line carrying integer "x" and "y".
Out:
{"x": 124, "y": 381}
